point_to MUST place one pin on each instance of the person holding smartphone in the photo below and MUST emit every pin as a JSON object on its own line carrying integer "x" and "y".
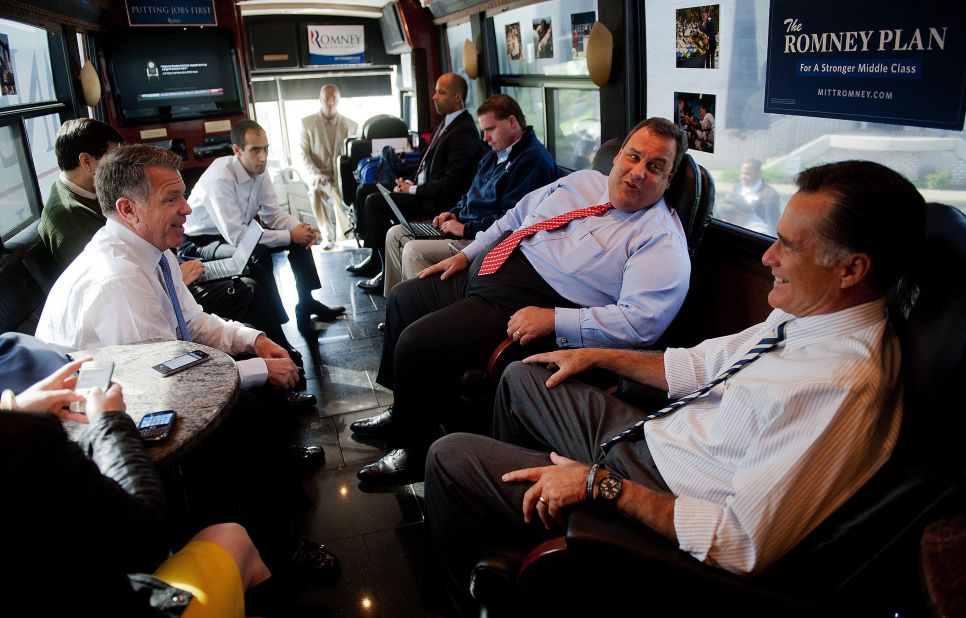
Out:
{"x": 88, "y": 521}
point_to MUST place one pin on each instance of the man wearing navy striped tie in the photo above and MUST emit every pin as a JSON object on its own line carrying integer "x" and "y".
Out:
{"x": 775, "y": 427}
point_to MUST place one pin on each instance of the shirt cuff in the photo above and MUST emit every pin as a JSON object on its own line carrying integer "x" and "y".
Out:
{"x": 252, "y": 372}
{"x": 679, "y": 373}
{"x": 695, "y": 522}
{"x": 412, "y": 189}
{"x": 247, "y": 337}
{"x": 567, "y": 327}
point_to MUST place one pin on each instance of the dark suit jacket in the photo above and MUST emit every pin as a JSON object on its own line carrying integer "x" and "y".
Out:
{"x": 451, "y": 163}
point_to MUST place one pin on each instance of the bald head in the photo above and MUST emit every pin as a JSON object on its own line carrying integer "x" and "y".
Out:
{"x": 329, "y": 97}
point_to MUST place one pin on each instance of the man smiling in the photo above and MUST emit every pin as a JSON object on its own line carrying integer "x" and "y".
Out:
{"x": 608, "y": 267}
{"x": 773, "y": 428}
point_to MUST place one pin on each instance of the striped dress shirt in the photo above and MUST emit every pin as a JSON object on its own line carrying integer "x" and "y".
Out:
{"x": 770, "y": 453}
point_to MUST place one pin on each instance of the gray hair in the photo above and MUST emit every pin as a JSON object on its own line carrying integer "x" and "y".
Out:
{"x": 120, "y": 173}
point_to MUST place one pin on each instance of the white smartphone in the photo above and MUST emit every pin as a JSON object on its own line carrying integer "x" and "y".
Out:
{"x": 92, "y": 374}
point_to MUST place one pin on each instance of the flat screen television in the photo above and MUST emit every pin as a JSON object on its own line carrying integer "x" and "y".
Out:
{"x": 161, "y": 75}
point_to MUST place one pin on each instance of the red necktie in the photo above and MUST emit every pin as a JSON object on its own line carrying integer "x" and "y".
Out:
{"x": 495, "y": 258}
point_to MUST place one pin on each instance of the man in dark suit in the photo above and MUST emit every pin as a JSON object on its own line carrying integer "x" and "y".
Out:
{"x": 443, "y": 176}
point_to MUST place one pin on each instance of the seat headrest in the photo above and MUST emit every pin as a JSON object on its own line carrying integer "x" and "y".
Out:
{"x": 604, "y": 157}
{"x": 383, "y": 126}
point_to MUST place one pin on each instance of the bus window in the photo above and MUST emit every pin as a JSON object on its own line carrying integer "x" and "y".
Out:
{"x": 741, "y": 135}
{"x": 456, "y": 35}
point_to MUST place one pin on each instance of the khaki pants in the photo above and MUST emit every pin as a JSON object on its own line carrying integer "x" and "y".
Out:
{"x": 405, "y": 257}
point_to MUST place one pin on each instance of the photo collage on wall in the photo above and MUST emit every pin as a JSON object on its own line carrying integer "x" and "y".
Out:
{"x": 697, "y": 46}
{"x": 541, "y": 45}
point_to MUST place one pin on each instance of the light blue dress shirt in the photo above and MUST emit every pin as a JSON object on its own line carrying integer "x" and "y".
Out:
{"x": 629, "y": 272}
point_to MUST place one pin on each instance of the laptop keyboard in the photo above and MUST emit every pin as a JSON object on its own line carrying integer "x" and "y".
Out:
{"x": 219, "y": 269}
{"x": 425, "y": 229}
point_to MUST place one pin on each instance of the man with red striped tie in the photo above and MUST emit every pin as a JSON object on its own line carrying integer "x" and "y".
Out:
{"x": 591, "y": 260}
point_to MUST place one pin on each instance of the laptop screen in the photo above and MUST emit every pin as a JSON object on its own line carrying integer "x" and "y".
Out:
{"x": 247, "y": 244}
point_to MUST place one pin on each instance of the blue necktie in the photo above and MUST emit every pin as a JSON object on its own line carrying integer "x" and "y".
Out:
{"x": 169, "y": 287}
{"x": 636, "y": 431}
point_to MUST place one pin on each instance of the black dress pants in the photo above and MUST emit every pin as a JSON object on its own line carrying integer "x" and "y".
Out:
{"x": 436, "y": 330}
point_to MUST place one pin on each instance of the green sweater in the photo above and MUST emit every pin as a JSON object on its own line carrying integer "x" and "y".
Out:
{"x": 68, "y": 222}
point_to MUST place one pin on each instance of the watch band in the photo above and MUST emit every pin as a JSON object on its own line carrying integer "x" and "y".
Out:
{"x": 590, "y": 481}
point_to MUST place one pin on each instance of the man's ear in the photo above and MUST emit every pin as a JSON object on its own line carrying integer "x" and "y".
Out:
{"x": 86, "y": 161}
{"x": 236, "y": 149}
{"x": 855, "y": 270}
{"x": 127, "y": 209}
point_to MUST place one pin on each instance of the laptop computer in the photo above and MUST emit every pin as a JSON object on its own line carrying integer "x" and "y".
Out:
{"x": 234, "y": 266}
{"x": 420, "y": 231}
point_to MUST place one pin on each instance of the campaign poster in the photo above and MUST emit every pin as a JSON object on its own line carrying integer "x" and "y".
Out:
{"x": 8, "y": 82}
{"x": 514, "y": 42}
{"x": 171, "y": 13}
{"x": 337, "y": 44}
{"x": 580, "y": 25}
{"x": 543, "y": 37}
{"x": 901, "y": 63}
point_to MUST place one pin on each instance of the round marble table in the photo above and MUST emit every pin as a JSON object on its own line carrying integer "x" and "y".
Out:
{"x": 201, "y": 395}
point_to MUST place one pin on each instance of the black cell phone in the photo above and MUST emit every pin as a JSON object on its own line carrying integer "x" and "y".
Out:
{"x": 156, "y": 426}
{"x": 179, "y": 363}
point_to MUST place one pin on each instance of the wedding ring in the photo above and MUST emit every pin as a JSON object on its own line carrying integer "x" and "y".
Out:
{"x": 516, "y": 334}
{"x": 542, "y": 499}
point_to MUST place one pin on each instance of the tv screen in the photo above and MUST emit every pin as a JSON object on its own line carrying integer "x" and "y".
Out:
{"x": 161, "y": 75}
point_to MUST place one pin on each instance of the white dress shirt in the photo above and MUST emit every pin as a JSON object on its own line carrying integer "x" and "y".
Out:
{"x": 113, "y": 294}
{"x": 629, "y": 272}
{"x": 767, "y": 455}
{"x": 226, "y": 199}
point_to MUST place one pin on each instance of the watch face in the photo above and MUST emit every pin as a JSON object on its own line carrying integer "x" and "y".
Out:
{"x": 609, "y": 487}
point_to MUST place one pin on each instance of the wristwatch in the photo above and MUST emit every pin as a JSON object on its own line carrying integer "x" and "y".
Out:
{"x": 609, "y": 488}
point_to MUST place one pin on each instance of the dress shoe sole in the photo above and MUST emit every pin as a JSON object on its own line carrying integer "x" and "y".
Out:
{"x": 369, "y": 287}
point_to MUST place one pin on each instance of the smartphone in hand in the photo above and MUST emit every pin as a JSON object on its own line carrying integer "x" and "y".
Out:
{"x": 92, "y": 374}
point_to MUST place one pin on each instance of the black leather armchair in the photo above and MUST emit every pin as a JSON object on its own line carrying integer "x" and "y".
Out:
{"x": 861, "y": 561}
{"x": 359, "y": 147}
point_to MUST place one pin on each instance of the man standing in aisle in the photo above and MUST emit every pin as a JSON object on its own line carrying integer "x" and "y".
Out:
{"x": 322, "y": 136}
{"x": 228, "y": 196}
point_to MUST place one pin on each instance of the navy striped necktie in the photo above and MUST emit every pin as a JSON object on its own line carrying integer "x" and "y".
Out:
{"x": 183, "y": 333}
{"x": 636, "y": 431}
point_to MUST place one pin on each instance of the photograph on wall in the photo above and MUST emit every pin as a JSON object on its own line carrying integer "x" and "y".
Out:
{"x": 514, "y": 42}
{"x": 694, "y": 112}
{"x": 8, "y": 83}
{"x": 580, "y": 25}
{"x": 902, "y": 64}
{"x": 543, "y": 37}
{"x": 696, "y": 37}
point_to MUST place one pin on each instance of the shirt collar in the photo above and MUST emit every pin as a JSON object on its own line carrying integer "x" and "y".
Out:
{"x": 836, "y": 325}
{"x": 241, "y": 174}
{"x": 144, "y": 252}
{"x": 81, "y": 191}
{"x": 329, "y": 121}
{"x": 504, "y": 154}
{"x": 450, "y": 117}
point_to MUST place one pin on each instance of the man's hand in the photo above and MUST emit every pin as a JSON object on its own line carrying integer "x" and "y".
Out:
{"x": 282, "y": 372}
{"x": 304, "y": 234}
{"x": 452, "y": 228}
{"x": 191, "y": 270}
{"x": 54, "y": 393}
{"x": 266, "y": 348}
{"x": 530, "y": 323}
{"x": 402, "y": 186}
{"x": 566, "y": 363}
{"x": 449, "y": 267}
{"x": 561, "y": 485}
{"x": 442, "y": 218}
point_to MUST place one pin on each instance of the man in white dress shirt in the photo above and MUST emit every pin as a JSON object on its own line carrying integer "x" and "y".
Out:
{"x": 321, "y": 143}
{"x": 228, "y": 196}
{"x": 115, "y": 292}
{"x": 739, "y": 476}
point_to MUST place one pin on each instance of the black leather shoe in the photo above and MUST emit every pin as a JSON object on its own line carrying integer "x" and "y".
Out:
{"x": 375, "y": 426}
{"x": 398, "y": 467}
{"x": 297, "y": 400}
{"x": 305, "y": 311}
{"x": 308, "y": 456}
{"x": 372, "y": 285}
{"x": 315, "y": 562}
{"x": 296, "y": 357}
{"x": 366, "y": 268}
